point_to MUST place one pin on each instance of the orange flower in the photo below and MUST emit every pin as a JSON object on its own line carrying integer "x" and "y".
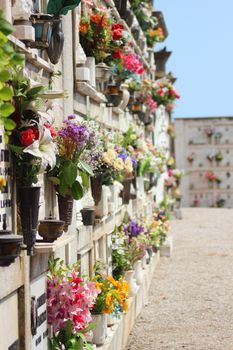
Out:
{"x": 83, "y": 27}
{"x": 99, "y": 19}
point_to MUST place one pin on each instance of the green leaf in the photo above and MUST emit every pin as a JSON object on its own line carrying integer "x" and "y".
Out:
{"x": 16, "y": 149}
{"x": 61, "y": 7}
{"x": 5, "y": 27}
{"x": 6, "y": 93}
{"x": 85, "y": 167}
{"x": 54, "y": 180}
{"x": 34, "y": 92}
{"x": 85, "y": 179}
{"x": 17, "y": 59}
{"x": 6, "y": 109}
{"x": 77, "y": 190}
{"x": 9, "y": 124}
{"x": 69, "y": 173}
{"x": 4, "y": 75}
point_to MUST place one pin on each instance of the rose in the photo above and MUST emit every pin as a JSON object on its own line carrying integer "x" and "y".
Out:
{"x": 28, "y": 136}
{"x": 117, "y": 34}
{"x": 118, "y": 54}
{"x": 116, "y": 26}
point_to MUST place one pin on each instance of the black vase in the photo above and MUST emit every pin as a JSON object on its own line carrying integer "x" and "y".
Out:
{"x": 88, "y": 216}
{"x": 65, "y": 208}
{"x": 9, "y": 248}
{"x": 28, "y": 198}
{"x": 125, "y": 193}
{"x": 56, "y": 44}
{"x": 96, "y": 187}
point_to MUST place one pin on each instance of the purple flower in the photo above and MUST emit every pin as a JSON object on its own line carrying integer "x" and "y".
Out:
{"x": 133, "y": 229}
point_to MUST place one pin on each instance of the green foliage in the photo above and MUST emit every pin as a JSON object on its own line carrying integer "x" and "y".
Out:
{"x": 68, "y": 341}
{"x": 61, "y": 7}
{"x": 9, "y": 57}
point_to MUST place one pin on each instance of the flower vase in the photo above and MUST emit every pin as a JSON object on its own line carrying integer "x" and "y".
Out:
{"x": 100, "y": 330}
{"x": 125, "y": 193}
{"x": 138, "y": 272}
{"x": 51, "y": 229}
{"x": 10, "y": 246}
{"x": 96, "y": 187}
{"x": 88, "y": 216}
{"x": 65, "y": 208}
{"x": 28, "y": 198}
{"x": 133, "y": 287}
{"x": 144, "y": 260}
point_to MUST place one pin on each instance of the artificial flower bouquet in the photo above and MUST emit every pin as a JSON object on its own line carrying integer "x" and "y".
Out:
{"x": 77, "y": 148}
{"x": 113, "y": 295}
{"x": 191, "y": 157}
{"x": 164, "y": 93}
{"x": 154, "y": 35}
{"x": 70, "y": 300}
{"x": 158, "y": 228}
{"x": 218, "y": 156}
{"x": 100, "y": 36}
{"x": 210, "y": 176}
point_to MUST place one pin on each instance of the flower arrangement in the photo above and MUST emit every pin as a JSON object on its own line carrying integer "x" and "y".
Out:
{"x": 128, "y": 66}
{"x": 158, "y": 228}
{"x": 209, "y": 131}
{"x": 154, "y": 36}
{"x": 76, "y": 143}
{"x": 171, "y": 131}
{"x": 218, "y": 156}
{"x": 70, "y": 300}
{"x": 191, "y": 157}
{"x": 34, "y": 150}
{"x": 133, "y": 228}
{"x": 113, "y": 296}
{"x": 164, "y": 93}
{"x": 218, "y": 136}
{"x": 100, "y": 36}
{"x": 210, "y": 176}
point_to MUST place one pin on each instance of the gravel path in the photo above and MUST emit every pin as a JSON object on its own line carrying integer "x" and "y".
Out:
{"x": 191, "y": 296}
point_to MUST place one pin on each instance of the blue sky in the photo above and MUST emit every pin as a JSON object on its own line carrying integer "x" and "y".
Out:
{"x": 201, "y": 38}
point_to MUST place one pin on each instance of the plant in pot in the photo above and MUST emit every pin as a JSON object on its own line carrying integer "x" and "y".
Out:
{"x": 33, "y": 149}
{"x": 69, "y": 313}
{"x": 112, "y": 299}
{"x": 218, "y": 157}
{"x": 75, "y": 141}
{"x": 100, "y": 35}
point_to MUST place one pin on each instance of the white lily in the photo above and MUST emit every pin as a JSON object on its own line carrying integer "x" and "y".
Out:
{"x": 43, "y": 148}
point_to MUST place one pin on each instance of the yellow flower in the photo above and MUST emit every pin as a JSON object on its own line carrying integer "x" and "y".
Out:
{"x": 106, "y": 158}
{"x": 111, "y": 154}
{"x": 2, "y": 182}
{"x": 118, "y": 164}
{"x": 126, "y": 305}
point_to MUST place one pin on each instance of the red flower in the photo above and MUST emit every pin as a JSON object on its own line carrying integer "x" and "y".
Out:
{"x": 117, "y": 34}
{"x": 51, "y": 129}
{"x": 140, "y": 70}
{"x": 28, "y": 136}
{"x": 116, "y": 26}
{"x": 118, "y": 54}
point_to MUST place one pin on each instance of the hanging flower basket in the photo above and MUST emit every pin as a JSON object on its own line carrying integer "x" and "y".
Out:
{"x": 9, "y": 248}
{"x": 28, "y": 198}
{"x": 65, "y": 208}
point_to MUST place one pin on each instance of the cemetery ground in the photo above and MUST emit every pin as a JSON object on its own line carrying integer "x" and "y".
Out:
{"x": 190, "y": 302}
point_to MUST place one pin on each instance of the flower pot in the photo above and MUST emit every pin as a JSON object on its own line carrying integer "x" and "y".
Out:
{"x": 51, "y": 229}
{"x": 96, "y": 187}
{"x": 9, "y": 248}
{"x": 100, "y": 330}
{"x": 65, "y": 208}
{"x": 138, "y": 272}
{"x": 28, "y": 198}
{"x": 113, "y": 95}
{"x": 43, "y": 30}
{"x": 129, "y": 277}
{"x": 56, "y": 43}
{"x": 88, "y": 216}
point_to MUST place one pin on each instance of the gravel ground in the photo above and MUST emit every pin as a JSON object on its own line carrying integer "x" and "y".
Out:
{"x": 191, "y": 295}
